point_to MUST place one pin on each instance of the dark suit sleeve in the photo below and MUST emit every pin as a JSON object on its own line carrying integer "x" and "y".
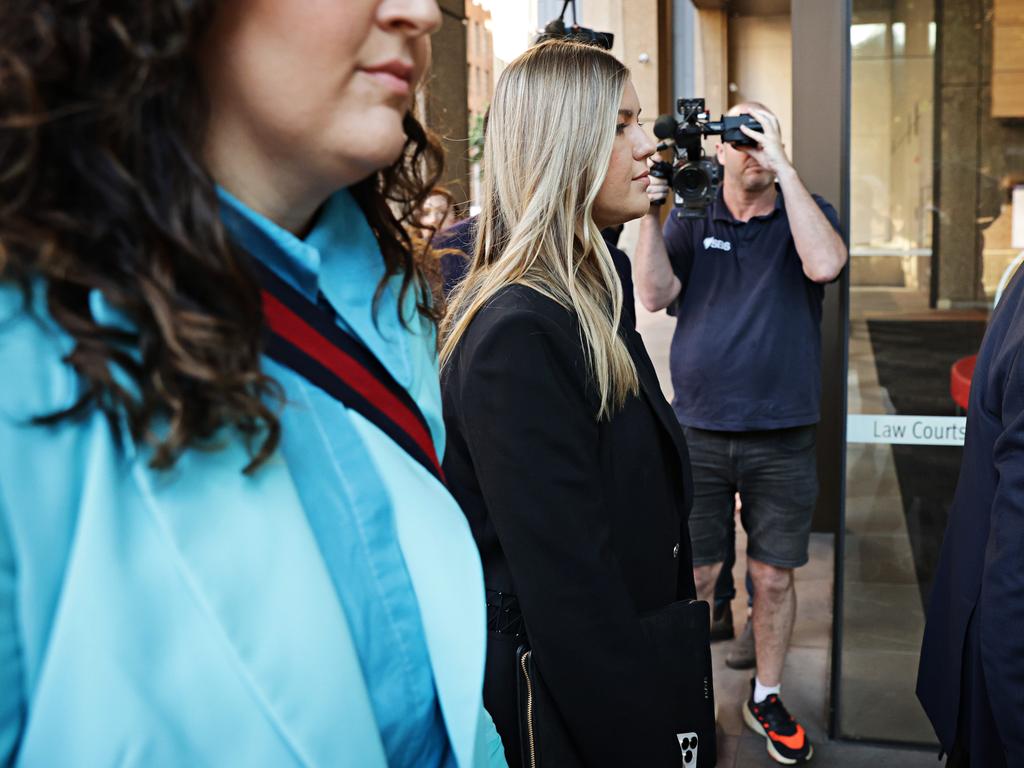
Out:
{"x": 532, "y": 433}
{"x": 1002, "y": 591}
{"x": 456, "y": 245}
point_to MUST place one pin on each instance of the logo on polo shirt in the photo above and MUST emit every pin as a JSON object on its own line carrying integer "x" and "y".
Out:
{"x": 714, "y": 242}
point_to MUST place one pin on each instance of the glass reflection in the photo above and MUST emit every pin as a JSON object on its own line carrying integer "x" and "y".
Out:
{"x": 932, "y": 173}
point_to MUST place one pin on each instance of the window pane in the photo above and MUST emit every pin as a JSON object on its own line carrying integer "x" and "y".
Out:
{"x": 931, "y": 173}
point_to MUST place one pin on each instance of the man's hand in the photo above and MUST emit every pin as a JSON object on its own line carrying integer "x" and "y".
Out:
{"x": 656, "y": 283}
{"x": 820, "y": 248}
{"x": 769, "y": 153}
{"x": 657, "y": 190}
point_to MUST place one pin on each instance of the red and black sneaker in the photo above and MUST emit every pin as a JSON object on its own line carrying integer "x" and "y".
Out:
{"x": 785, "y": 738}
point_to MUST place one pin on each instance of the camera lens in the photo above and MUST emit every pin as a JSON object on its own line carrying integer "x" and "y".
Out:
{"x": 691, "y": 182}
{"x": 694, "y": 179}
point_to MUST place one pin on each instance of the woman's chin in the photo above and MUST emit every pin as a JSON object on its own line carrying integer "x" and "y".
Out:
{"x": 388, "y": 140}
{"x": 637, "y": 211}
{"x": 371, "y": 160}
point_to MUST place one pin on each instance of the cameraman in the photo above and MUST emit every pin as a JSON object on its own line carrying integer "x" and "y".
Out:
{"x": 746, "y": 284}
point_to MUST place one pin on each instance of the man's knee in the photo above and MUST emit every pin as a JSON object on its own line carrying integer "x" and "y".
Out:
{"x": 770, "y": 581}
{"x": 705, "y": 576}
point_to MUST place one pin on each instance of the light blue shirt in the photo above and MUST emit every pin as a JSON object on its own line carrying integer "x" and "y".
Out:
{"x": 190, "y": 616}
{"x": 352, "y": 480}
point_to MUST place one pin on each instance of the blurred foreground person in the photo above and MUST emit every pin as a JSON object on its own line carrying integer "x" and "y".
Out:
{"x": 224, "y": 534}
{"x": 971, "y": 678}
{"x": 562, "y": 450}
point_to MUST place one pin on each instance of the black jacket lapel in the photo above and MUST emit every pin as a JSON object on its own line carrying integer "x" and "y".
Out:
{"x": 651, "y": 389}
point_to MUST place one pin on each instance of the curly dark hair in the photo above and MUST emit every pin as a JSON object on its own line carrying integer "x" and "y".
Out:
{"x": 102, "y": 120}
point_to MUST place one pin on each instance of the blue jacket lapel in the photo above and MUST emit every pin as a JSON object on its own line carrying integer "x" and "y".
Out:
{"x": 446, "y": 574}
{"x": 247, "y": 552}
{"x": 444, "y": 569}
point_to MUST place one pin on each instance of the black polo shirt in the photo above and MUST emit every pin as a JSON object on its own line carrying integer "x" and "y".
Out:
{"x": 746, "y": 353}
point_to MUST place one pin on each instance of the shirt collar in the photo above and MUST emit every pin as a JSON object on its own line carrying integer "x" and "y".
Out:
{"x": 290, "y": 258}
{"x": 340, "y": 259}
{"x": 720, "y": 211}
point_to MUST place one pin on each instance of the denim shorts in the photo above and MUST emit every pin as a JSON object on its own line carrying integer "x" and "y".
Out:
{"x": 775, "y": 472}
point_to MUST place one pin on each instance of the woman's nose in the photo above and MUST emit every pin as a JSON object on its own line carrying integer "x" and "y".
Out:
{"x": 645, "y": 147}
{"x": 417, "y": 17}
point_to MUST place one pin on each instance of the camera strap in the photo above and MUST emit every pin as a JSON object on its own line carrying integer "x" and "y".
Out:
{"x": 304, "y": 337}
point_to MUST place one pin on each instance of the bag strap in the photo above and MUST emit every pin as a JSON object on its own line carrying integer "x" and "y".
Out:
{"x": 305, "y": 337}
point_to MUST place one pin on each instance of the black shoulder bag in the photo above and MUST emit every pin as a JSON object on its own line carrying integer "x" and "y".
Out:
{"x": 680, "y": 638}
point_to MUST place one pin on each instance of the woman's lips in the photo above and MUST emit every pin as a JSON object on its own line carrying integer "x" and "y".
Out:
{"x": 395, "y": 76}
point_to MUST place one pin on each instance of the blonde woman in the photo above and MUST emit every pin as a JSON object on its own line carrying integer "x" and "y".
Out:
{"x": 562, "y": 451}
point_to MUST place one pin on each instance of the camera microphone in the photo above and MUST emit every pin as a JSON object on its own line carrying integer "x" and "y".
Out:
{"x": 665, "y": 127}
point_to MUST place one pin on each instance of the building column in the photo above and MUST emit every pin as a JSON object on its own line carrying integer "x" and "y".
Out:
{"x": 821, "y": 153}
{"x": 962, "y": 79}
{"x": 447, "y": 111}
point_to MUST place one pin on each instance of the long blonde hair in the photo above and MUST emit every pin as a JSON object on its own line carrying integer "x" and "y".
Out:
{"x": 549, "y": 141}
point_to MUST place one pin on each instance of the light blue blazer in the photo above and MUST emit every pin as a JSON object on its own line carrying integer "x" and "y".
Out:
{"x": 149, "y": 621}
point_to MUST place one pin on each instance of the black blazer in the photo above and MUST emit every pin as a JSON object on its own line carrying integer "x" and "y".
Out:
{"x": 584, "y": 521}
{"x": 971, "y": 676}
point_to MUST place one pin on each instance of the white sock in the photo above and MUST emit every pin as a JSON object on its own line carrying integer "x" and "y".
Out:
{"x": 762, "y": 692}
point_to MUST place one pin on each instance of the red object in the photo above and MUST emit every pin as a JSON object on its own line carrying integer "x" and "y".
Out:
{"x": 385, "y": 407}
{"x": 960, "y": 380}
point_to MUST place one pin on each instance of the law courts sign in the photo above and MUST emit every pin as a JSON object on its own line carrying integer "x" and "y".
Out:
{"x": 905, "y": 430}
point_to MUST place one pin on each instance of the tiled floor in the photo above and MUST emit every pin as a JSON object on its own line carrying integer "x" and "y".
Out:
{"x": 805, "y": 680}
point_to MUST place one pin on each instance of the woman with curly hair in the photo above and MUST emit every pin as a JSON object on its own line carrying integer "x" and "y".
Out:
{"x": 224, "y": 535}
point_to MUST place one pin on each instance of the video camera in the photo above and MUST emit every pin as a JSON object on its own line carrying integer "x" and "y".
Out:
{"x": 693, "y": 177}
{"x": 557, "y": 30}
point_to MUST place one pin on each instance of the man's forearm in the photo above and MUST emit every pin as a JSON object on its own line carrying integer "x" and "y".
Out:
{"x": 819, "y": 246}
{"x": 656, "y": 282}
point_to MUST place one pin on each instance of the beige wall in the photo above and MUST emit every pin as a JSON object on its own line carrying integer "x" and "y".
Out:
{"x": 1008, "y": 58}
{"x": 761, "y": 66}
{"x": 744, "y": 57}
{"x": 635, "y": 26}
{"x": 711, "y": 59}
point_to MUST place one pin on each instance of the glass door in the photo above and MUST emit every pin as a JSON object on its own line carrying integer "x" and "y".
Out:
{"x": 932, "y": 171}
